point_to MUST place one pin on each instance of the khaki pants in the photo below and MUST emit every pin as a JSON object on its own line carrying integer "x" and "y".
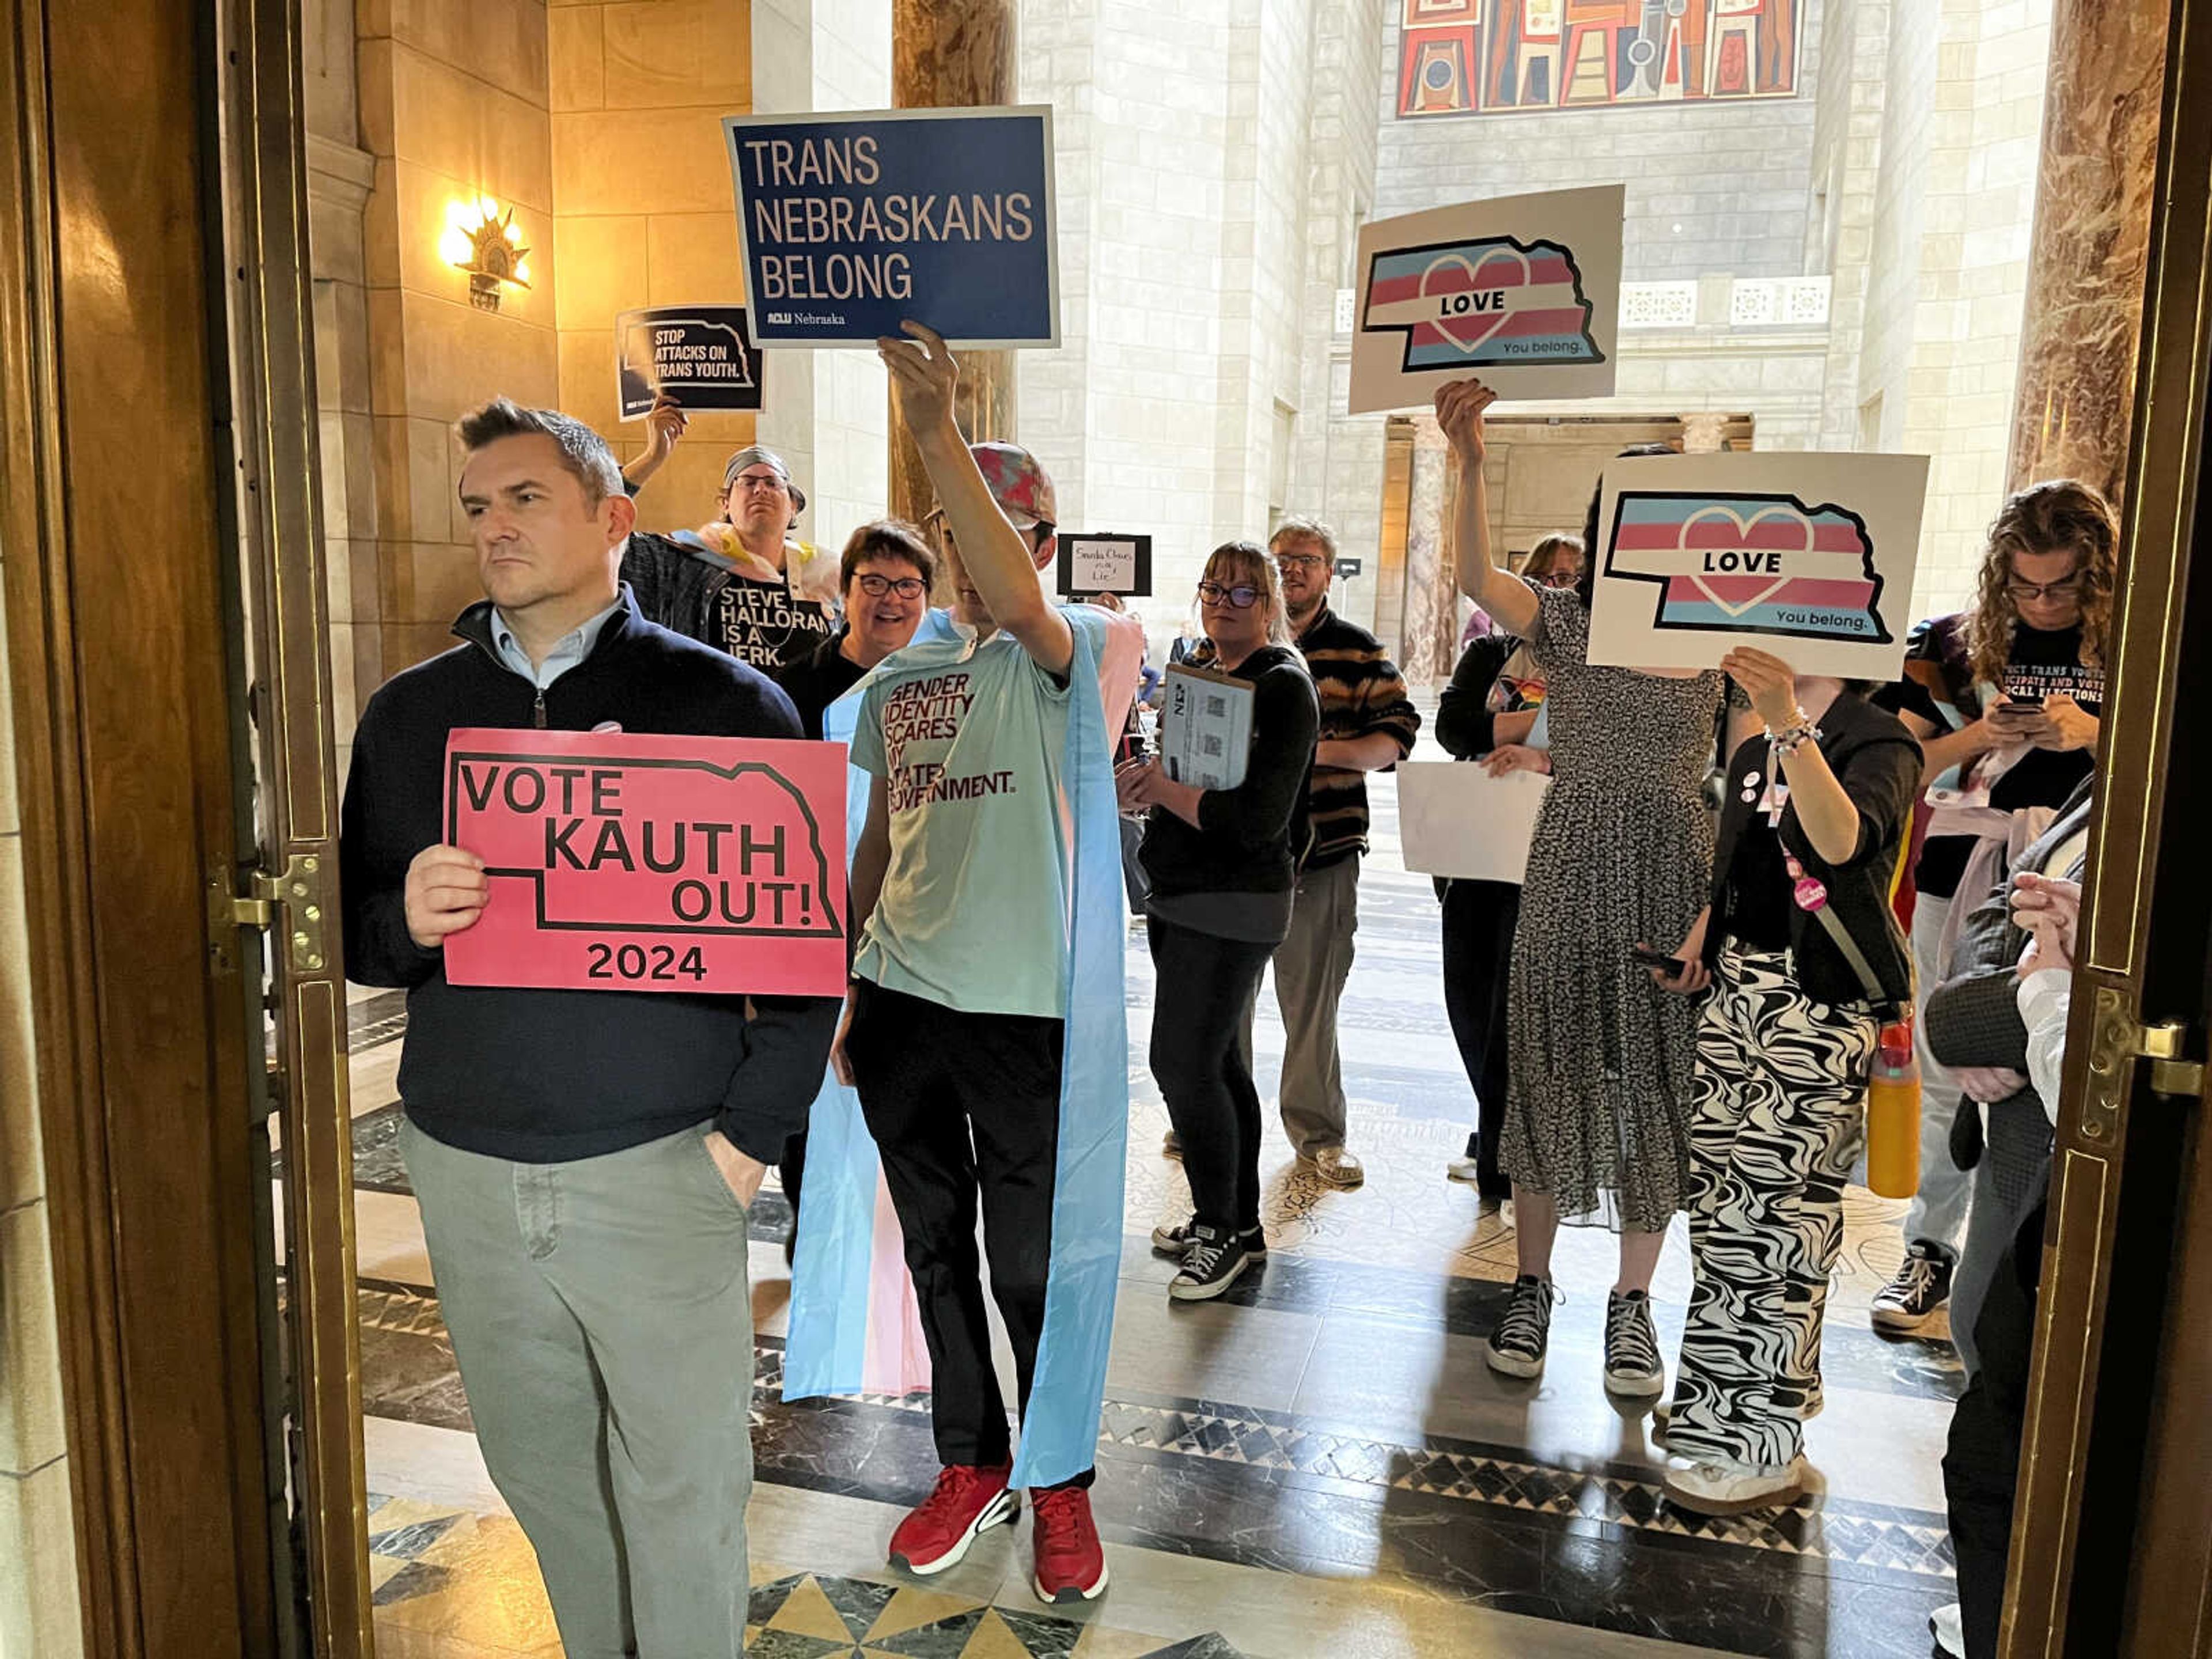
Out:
{"x": 1311, "y": 965}
{"x": 603, "y": 1321}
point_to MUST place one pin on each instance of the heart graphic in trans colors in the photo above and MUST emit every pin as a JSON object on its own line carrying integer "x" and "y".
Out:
{"x": 1468, "y": 332}
{"x": 1766, "y": 589}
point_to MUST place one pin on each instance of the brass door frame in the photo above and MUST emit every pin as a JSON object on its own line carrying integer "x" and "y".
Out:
{"x": 273, "y": 425}
{"x": 118, "y": 586}
{"x": 2131, "y": 1162}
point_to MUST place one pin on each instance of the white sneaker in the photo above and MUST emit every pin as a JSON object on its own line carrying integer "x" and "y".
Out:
{"x": 1334, "y": 1166}
{"x": 1711, "y": 1487}
{"x": 1464, "y": 1169}
{"x": 1948, "y": 1628}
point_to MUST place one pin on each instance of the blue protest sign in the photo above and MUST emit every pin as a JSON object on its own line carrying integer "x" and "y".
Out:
{"x": 700, "y": 355}
{"x": 853, "y": 221}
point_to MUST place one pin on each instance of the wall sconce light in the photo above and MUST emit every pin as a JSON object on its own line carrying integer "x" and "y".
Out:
{"x": 480, "y": 239}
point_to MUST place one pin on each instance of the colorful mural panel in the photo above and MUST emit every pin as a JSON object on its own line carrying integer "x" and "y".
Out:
{"x": 1514, "y": 56}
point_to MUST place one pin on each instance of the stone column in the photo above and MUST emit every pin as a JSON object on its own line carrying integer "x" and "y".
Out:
{"x": 2085, "y": 286}
{"x": 1431, "y": 643}
{"x": 953, "y": 54}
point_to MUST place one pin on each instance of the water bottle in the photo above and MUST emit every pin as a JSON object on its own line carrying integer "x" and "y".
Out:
{"x": 1894, "y": 1115}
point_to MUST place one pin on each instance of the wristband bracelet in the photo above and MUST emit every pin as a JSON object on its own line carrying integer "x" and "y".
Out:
{"x": 1791, "y": 738}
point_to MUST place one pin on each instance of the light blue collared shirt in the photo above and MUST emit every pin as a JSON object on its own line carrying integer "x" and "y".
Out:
{"x": 568, "y": 651}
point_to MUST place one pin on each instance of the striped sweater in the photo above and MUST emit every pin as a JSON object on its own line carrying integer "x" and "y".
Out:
{"x": 1361, "y": 692}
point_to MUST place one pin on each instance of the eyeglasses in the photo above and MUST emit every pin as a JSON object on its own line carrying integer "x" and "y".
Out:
{"x": 1290, "y": 563}
{"x": 1555, "y": 578}
{"x": 749, "y": 481}
{"x": 2028, "y": 593}
{"x": 1239, "y": 598}
{"x": 907, "y": 587}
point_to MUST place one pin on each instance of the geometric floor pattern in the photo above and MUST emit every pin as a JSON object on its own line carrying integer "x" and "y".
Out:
{"x": 416, "y": 1551}
{"x": 816, "y": 1616}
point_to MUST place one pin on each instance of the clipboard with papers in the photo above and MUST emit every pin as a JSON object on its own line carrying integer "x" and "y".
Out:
{"x": 1206, "y": 726}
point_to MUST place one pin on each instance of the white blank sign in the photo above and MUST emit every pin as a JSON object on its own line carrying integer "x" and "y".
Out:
{"x": 1455, "y": 819}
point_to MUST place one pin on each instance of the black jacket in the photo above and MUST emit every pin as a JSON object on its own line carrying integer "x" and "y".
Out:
{"x": 539, "y": 1076}
{"x": 1253, "y": 835}
{"x": 1465, "y": 725}
{"x": 1879, "y": 763}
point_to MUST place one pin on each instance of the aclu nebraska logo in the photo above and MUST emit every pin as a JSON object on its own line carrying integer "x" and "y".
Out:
{"x": 1476, "y": 304}
{"x": 1750, "y": 564}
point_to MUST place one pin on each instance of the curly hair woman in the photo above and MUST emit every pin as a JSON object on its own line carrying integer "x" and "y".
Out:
{"x": 2006, "y": 700}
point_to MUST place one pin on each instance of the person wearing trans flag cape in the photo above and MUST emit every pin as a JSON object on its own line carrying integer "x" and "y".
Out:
{"x": 985, "y": 1037}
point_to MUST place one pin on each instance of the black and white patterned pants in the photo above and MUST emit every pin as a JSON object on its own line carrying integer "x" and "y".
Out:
{"x": 1777, "y": 1114}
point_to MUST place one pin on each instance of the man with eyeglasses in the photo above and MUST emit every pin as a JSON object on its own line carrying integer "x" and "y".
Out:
{"x": 1368, "y": 723}
{"x": 2006, "y": 699}
{"x": 742, "y": 582}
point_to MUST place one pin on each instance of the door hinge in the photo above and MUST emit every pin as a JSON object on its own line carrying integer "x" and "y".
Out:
{"x": 2117, "y": 1041}
{"x": 295, "y": 902}
{"x": 2170, "y": 1074}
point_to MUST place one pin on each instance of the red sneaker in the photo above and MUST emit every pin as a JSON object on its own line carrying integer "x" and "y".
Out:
{"x": 1070, "y": 1564}
{"x": 967, "y": 1500}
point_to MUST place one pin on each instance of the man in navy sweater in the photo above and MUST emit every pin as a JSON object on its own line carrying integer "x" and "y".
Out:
{"x": 584, "y": 1159}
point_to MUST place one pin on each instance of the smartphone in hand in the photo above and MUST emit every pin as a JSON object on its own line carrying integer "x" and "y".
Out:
{"x": 1645, "y": 956}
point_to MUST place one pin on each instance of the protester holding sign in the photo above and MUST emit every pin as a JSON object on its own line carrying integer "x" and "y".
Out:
{"x": 1598, "y": 1099}
{"x": 1805, "y": 962}
{"x": 985, "y": 1032}
{"x": 1223, "y": 863}
{"x": 742, "y": 582}
{"x": 643, "y": 1122}
{"x": 2006, "y": 698}
{"x": 1488, "y": 713}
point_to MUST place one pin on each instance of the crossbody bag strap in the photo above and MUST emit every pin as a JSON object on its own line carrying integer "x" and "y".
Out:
{"x": 1870, "y": 981}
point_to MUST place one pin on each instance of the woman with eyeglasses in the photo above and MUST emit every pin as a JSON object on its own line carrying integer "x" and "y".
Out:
{"x": 2006, "y": 699}
{"x": 1488, "y": 714}
{"x": 1223, "y": 865}
{"x": 888, "y": 570}
{"x": 885, "y": 576}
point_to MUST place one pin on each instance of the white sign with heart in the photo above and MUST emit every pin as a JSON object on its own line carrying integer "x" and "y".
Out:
{"x": 1522, "y": 290}
{"x": 1809, "y": 557}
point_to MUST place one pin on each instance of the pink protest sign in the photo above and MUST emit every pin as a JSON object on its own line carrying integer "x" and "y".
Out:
{"x": 637, "y": 863}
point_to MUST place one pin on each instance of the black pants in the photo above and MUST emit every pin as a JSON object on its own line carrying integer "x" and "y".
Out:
{"x": 1981, "y": 1461}
{"x": 963, "y": 1106}
{"x": 1205, "y": 984}
{"x": 1479, "y": 917}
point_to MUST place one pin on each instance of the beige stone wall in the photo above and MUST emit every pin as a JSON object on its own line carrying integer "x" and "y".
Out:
{"x": 454, "y": 106}
{"x": 38, "y": 1561}
{"x": 1946, "y": 268}
{"x": 643, "y": 207}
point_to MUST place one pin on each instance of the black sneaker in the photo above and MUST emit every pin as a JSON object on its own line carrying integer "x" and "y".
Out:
{"x": 1175, "y": 1241}
{"x": 1516, "y": 1347}
{"x": 1215, "y": 1262}
{"x": 1910, "y": 1302}
{"x": 1631, "y": 1347}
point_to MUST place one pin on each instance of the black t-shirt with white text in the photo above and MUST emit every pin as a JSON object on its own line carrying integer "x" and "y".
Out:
{"x": 766, "y": 624}
{"x": 2042, "y": 664}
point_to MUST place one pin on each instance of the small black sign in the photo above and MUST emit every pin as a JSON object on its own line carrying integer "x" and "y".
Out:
{"x": 1348, "y": 567}
{"x": 700, "y": 355}
{"x": 1105, "y": 563}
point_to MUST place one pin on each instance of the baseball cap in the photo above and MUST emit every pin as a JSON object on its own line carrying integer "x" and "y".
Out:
{"x": 1021, "y": 487}
{"x": 758, "y": 455}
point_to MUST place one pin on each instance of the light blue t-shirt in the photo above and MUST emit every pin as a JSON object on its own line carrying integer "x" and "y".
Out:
{"x": 968, "y": 737}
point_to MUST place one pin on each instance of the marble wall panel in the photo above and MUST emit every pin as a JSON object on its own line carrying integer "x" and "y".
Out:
{"x": 664, "y": 54}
